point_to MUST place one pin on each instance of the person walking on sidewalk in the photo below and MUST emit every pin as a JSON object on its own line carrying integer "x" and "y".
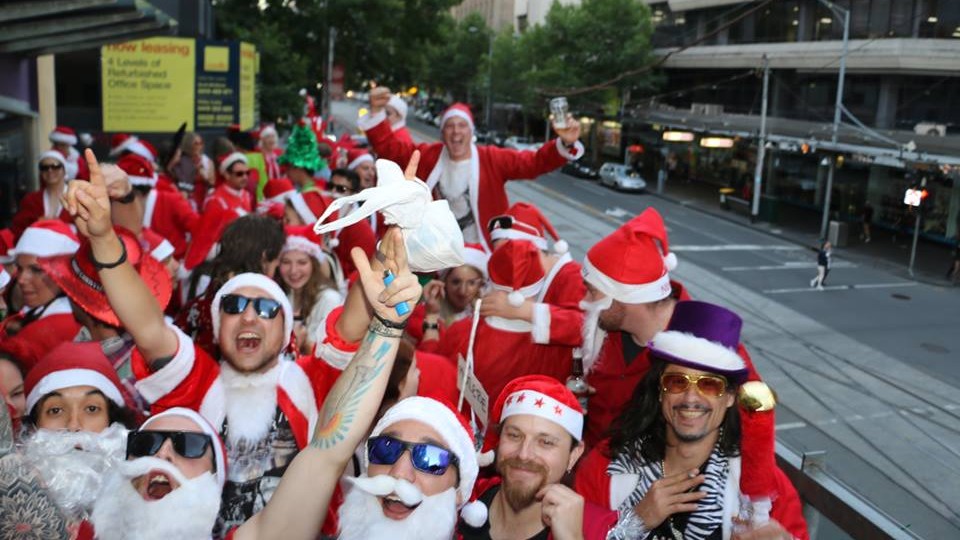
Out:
{"x": 867, "y": 221}
{"x": 954, "y": 273}
{"x": 823, "y": 266}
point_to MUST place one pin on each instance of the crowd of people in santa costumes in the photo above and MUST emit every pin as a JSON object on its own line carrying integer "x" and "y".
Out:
{"x": 186, "y": 356}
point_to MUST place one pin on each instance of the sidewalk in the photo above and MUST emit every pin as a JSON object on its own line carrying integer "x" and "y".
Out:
{"x": 882, "y": 252}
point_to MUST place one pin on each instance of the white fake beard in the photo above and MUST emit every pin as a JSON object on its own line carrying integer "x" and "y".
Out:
{"x": 593, "y": 335}
{"x": 251, "y": 403}
{"x": 188, "y": 512}
{"x": 361, "y": 515}
{"x": 73, "y": 464}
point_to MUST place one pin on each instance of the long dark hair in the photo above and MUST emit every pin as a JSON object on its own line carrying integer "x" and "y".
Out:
{"x": 246, "y": 243}
{"x": 642, "y": 421}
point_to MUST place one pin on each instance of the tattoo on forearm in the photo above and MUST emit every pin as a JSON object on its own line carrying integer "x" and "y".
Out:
{"x": 341, "y": 406}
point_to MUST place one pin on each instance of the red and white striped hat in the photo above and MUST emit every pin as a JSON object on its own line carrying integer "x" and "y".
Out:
{"x": 73, "y": 364}
{"x": 47, "y": 238}
{"x": 515, "y": 267}
{"x": 631, "y": 264}
{"x": 63, "y": 135}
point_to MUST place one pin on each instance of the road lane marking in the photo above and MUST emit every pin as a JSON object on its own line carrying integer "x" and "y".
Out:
{"x": 737, "y": 247}
{"x": 842, "y": 287}
{"x": 791, "y": 425}
{"x": 616, "y": 212}
{"x": 785, "y": 266}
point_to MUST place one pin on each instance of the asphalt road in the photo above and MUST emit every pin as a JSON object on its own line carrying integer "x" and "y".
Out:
{"x": 866, "y": 370}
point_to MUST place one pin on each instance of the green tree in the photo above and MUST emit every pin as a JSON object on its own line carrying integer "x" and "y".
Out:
{"x": 454, "y": 62}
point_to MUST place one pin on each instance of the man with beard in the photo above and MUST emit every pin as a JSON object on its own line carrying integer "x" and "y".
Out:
{"x": 471, "y": 178}
{"x": 263, "y": 408}
{"x": 537, "y": 439}
{"x": 630, "y": 297}
{"x": 673, "y": 466}
{"x": 170, "y": 485}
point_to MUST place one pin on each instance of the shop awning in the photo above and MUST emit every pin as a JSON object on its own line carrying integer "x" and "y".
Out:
{"x": 38, "y": 27}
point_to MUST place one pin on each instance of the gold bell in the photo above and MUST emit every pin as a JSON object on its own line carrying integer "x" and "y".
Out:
{"x": 756, "y": 396}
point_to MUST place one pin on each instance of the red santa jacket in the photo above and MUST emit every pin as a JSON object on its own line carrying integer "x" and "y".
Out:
{"x": 492, "y": 167}
{"x": 170, "y": 215}
{"x": 221, "y": 208}
{"x": 557, "y": 317}
{"x": 35, "y": 339}
{"x": 32, "y": 209}
{"x": 597, "y": 486}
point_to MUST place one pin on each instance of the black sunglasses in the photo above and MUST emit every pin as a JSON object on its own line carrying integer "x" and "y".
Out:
{"x": 45, "y": 168}
{"x": 425, "y": 457}
{"x": 235, "y": 304}
{"x": 500, "y": 222}
{"x": 240, "y": 173}
{"x": 188, "y": 444}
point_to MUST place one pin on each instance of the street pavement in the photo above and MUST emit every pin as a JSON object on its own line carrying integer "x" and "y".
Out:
{"x": 865, "y": 370}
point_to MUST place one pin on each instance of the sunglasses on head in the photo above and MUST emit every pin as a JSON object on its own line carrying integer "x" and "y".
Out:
{"x": 235, "y": 304}
{"x": 500, "y": 222}
{"x": 425, "y": 457}
{"x": 55, "y": 167}
{"x": 188, "y": 444}
{"x": 707, "y": 385}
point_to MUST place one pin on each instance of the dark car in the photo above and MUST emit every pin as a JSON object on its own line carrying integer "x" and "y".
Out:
{"x": 580, "y": 170}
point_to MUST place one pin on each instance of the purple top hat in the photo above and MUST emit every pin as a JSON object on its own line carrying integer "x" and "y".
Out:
{"x": 705, "y": 337}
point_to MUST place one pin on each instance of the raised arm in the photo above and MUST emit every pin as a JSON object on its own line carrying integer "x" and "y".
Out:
{"x": 299, "y": 506}
{"x": 380, "y": 134}
{"x": 139, "y": 312}
{"x": 524, "y": 164}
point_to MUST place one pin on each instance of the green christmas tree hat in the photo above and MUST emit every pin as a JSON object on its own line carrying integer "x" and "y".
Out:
{"x": 302, "y": 150}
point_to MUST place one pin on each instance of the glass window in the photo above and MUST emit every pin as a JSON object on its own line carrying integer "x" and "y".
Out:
{"x": 901, "y": 18}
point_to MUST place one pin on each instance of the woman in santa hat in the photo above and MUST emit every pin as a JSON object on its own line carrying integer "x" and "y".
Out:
{"x": 312, "y": 279}
{"x": 45, "y": 202}
{"x": 451, "y": 298}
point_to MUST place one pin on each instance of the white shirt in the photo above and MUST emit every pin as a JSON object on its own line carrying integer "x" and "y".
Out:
{"x": 454, "y": 186}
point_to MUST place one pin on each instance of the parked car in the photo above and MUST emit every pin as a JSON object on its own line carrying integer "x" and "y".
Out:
{"x": 580, "y": 170}
{"x": 521, "y": 143}
{"x": 621, "y": 177}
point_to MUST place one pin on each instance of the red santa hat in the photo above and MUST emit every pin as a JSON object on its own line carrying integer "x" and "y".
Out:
{"x": 452, "y": 427}
{"x": 515, "y": 267}
{"x": 158, "y": 246}
{"x": 262, "y": 282}
{"x": 145, "y": 149}
{"x": 631, "y": 264}
{"x": 524, "y": 221}
{"x": 6, "y": 246}
{"x": 302, "y": 238}
{"x": 266, "y": 131}
{"x": 227, "y": 161}
{"x": 219, "y": 449}
{"x": 278, "y": 189}
{"x": 121, "y": 142}
{"x": 73, "y": 364}
{"x": 77, "y": 276}
{"x": 55, "y": 155}
{"x": 356, "y": 156}
{"x": 476, "y": 257}
{"x": 458, "y": 110}
{"x": 63, "y": 135}
{"x": 47, "y": 238}
{"x": 400, "y": 106}
{"x": 139, "y": 169}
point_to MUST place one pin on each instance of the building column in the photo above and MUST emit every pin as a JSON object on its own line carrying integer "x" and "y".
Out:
{"x": 46, "y": 104}
{"x": 887, "y": 103}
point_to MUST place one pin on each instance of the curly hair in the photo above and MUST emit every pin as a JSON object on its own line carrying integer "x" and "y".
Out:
{"x": 642, "y": 421}
{"x": 245, "y": 245}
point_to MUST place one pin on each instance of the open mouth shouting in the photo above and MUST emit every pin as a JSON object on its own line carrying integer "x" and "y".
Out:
{"x": 248, "y": 341}
{"x": 159, "y": 485}
{"x": 394, "y": 508}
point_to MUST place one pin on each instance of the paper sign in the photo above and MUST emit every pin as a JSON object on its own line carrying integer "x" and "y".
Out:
{"x": 473, "y": 391}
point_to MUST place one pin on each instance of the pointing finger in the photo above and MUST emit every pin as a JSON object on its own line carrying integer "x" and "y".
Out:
{"x": 411, "y": 171}
{"x": 96, "y": 175}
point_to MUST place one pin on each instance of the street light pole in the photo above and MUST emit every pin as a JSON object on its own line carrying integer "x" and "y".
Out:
{"x": 328, "y": 99}
{"x": 490, "y": 83}
{"x": 762, "y": 146}
{"x": 837, "y": 111}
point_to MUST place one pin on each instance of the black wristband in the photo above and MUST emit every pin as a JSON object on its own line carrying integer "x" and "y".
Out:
{"x": 390, "y": 324}
{"x": 431, "y": 326}
{"x": 106, "y": 266}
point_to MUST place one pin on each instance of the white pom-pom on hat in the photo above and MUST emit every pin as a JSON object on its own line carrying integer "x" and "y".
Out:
{"x": 333, "y": 242}
{"x": 485, "y": 458}
{"x": 560, "y": 247}
{"x": 474, "y": 514}
{"x": 670, "y": 261}
{"x": 515, "y": 299}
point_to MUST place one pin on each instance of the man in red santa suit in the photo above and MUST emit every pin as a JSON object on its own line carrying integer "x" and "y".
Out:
{"x": 228, "y": 201}
{"x": 471, "y": 178}
{"x": 45, "y": 320}
{"x": 264, "y": 408}
{"x": 64, "y": 139}
{"x": 536, "y": 431}
{"x": 676, "y": 465}
{"x": 164, "y": 212}
{"x": 45, "y": 202}
{"x": 170, "y": 484}
{"x": 555, "y": 312}
{"x": 504, "y": 348}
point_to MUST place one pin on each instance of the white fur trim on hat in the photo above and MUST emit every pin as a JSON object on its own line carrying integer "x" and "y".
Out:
{"x": 476, "y": 258}
{"x": 514, "y": 233}
{"x": 362, "y": 158}
{"x": 543, "y": 406}
{"x": 235, "y": 157}
{"x": 399, "y": 104}
{"x": 526, "y": 292}
{"x": 458, "y": 113}
{"x": 300, "y": 243}
{"x": 441, "y": 418}
{"x": 43, "y": 242}
{"x": 66, "y": 378}
{"x": 124, "y": 146}
{"x": 63, "y": 138}
{"x": 260, "y": 281}
{"x": 54, "y": 155}
{"x": 141, "y": 150}
{"x": 267, "y": 131}
{"x": 696, "y": 351}
{"x": 163, "y": 250}
{"x": 302, "y": 208}
{"x": 641, "y": 293}
{"x": 143, "y": 180}
{"x": 4, "y": 278}
{"x": 218, "y": 448}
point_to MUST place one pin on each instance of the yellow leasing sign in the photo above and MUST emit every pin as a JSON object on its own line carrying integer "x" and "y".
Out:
{"x": 148, "y": 85}
{"x": 248, "y": 85}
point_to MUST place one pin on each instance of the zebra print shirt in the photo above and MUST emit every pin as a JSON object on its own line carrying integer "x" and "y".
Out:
{"x": 703, "y": 524}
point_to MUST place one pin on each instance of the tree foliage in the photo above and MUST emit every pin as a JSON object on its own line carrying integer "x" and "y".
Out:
{"x": 453, "y": 63}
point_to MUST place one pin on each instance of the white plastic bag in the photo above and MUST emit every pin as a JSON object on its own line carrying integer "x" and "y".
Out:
{"x": 430, "y": 231}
